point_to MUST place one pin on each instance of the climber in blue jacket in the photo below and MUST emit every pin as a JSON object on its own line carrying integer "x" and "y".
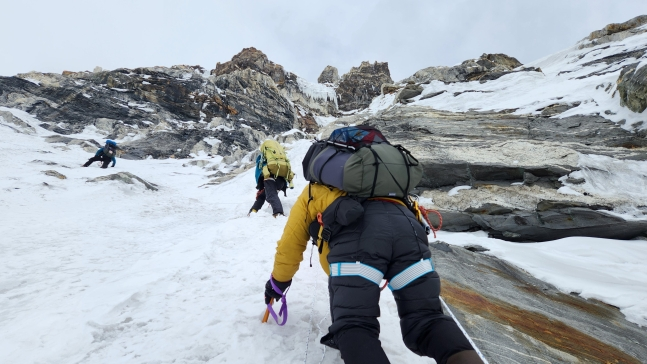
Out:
{"x": 105, "y": 155}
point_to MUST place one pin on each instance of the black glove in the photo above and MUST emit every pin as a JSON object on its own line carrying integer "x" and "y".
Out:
{"x": 271, "y": 293}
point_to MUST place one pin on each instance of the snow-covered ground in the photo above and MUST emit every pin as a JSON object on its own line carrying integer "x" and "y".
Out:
{"x": 528, "y": 92}
{"x": 106, "y": 272}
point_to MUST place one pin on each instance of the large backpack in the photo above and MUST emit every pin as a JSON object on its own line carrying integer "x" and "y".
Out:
{"x": 360, "y": 161}
{"x": 110, "y": 149}
{"x": 275, "y": 160}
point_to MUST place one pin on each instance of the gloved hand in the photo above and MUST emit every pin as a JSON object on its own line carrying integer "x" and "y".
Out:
{"x": 271, "y": 293}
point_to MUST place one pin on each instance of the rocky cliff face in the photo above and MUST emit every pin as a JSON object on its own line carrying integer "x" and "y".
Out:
{"x": 515, "y": 144}
{"x": 309, "y": 99}
{"x": 360, "y": 85}
{"x": 513, "y": 167}
{"x": 174, "y": 112}
{"x": 518, "y": 156}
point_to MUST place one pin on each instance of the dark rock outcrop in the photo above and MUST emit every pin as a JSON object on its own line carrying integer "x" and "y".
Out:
{"x": 177, "y": 108}
{"x": 257, "y": 99}
{"x": 512, "y": 163}
{"x": 632, "y": 87}
{"x": 556, "y": 109}
{"x": 254, "y": 59}
{"x": 321, "y": 100}
{"x": 487, "y": 67}
{"x": 360, "y": 85}
{"x": 453, "y": 146}
{"x": 559, "y": 223}
{"x": 329, "y": 75}
{"x": 409, "y": 91}
{"x": 525, "y": 320}
{"x": 127, "y": 178}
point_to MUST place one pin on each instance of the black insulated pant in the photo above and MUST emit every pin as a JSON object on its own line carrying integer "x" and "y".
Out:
{"x": 102, "y": 158}
{"x": 389, "y": 239}
{"x": 270, "y": 192}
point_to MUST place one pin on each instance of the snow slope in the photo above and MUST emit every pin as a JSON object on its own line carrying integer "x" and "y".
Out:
{"x": 105, "y": 272}
{"x": 529, "y": 92}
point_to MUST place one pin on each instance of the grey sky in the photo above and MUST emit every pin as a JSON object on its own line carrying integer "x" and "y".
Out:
{"x": 303, "y": 36}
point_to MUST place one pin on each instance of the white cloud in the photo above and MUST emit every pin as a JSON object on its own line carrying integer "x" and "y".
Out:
{"x": 302, "y": 36}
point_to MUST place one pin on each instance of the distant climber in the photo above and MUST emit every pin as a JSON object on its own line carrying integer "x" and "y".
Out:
{"x": 273, "y": 174}
{"x": 105, "y": 155}
{"x": 366, "y": 229}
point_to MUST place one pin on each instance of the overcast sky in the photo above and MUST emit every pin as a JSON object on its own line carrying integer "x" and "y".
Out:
{"x": 302, "y": 35}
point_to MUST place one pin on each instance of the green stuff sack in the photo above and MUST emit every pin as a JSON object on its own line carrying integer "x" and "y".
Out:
{"x": 381, "y": 170}
{"x": 277, "y": 163}
{"x": 360, "y": 161}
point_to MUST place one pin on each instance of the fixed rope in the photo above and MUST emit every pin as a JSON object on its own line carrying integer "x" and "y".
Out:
{"x": 464, "y": 332}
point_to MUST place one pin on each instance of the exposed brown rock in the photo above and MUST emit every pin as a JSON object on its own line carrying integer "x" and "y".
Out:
{"x": 307, "y": 123}
{"x": 619, "y": 27}
{"x": 513, "y": 317}
{"x": 53, "y": 173}
{"x": 550, "y": 331}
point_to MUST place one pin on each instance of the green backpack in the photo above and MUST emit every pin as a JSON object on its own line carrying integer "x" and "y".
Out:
{"x": 360, "y": 161}
{"x": 276, "y": 162}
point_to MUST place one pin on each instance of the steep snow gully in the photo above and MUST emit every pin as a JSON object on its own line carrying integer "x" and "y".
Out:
{"x": 97, "y": 272}
{"x": 155, "y": 260}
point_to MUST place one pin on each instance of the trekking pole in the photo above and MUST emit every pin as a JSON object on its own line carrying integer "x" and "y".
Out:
{"x": 267, "y": 312}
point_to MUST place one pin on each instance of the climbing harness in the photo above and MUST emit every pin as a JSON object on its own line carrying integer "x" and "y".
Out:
{"x": 410, "y": 274}
{"x": 356, "y": 269}
{"x": 283, "y": 312}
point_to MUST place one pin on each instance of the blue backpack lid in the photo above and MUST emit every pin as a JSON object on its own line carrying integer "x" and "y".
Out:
{"x": 357, "y": 136}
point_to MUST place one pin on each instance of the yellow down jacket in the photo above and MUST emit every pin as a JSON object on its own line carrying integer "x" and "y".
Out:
{"x": 294, "y": 241}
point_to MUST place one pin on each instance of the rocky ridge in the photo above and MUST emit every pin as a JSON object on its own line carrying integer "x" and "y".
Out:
{"x": 360, "y": 85}
{"x": 485, "y": 68}
{"x": 172, "y": 112}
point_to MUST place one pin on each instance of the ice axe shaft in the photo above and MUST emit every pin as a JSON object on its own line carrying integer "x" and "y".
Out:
{"x": 267, "y": 312}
